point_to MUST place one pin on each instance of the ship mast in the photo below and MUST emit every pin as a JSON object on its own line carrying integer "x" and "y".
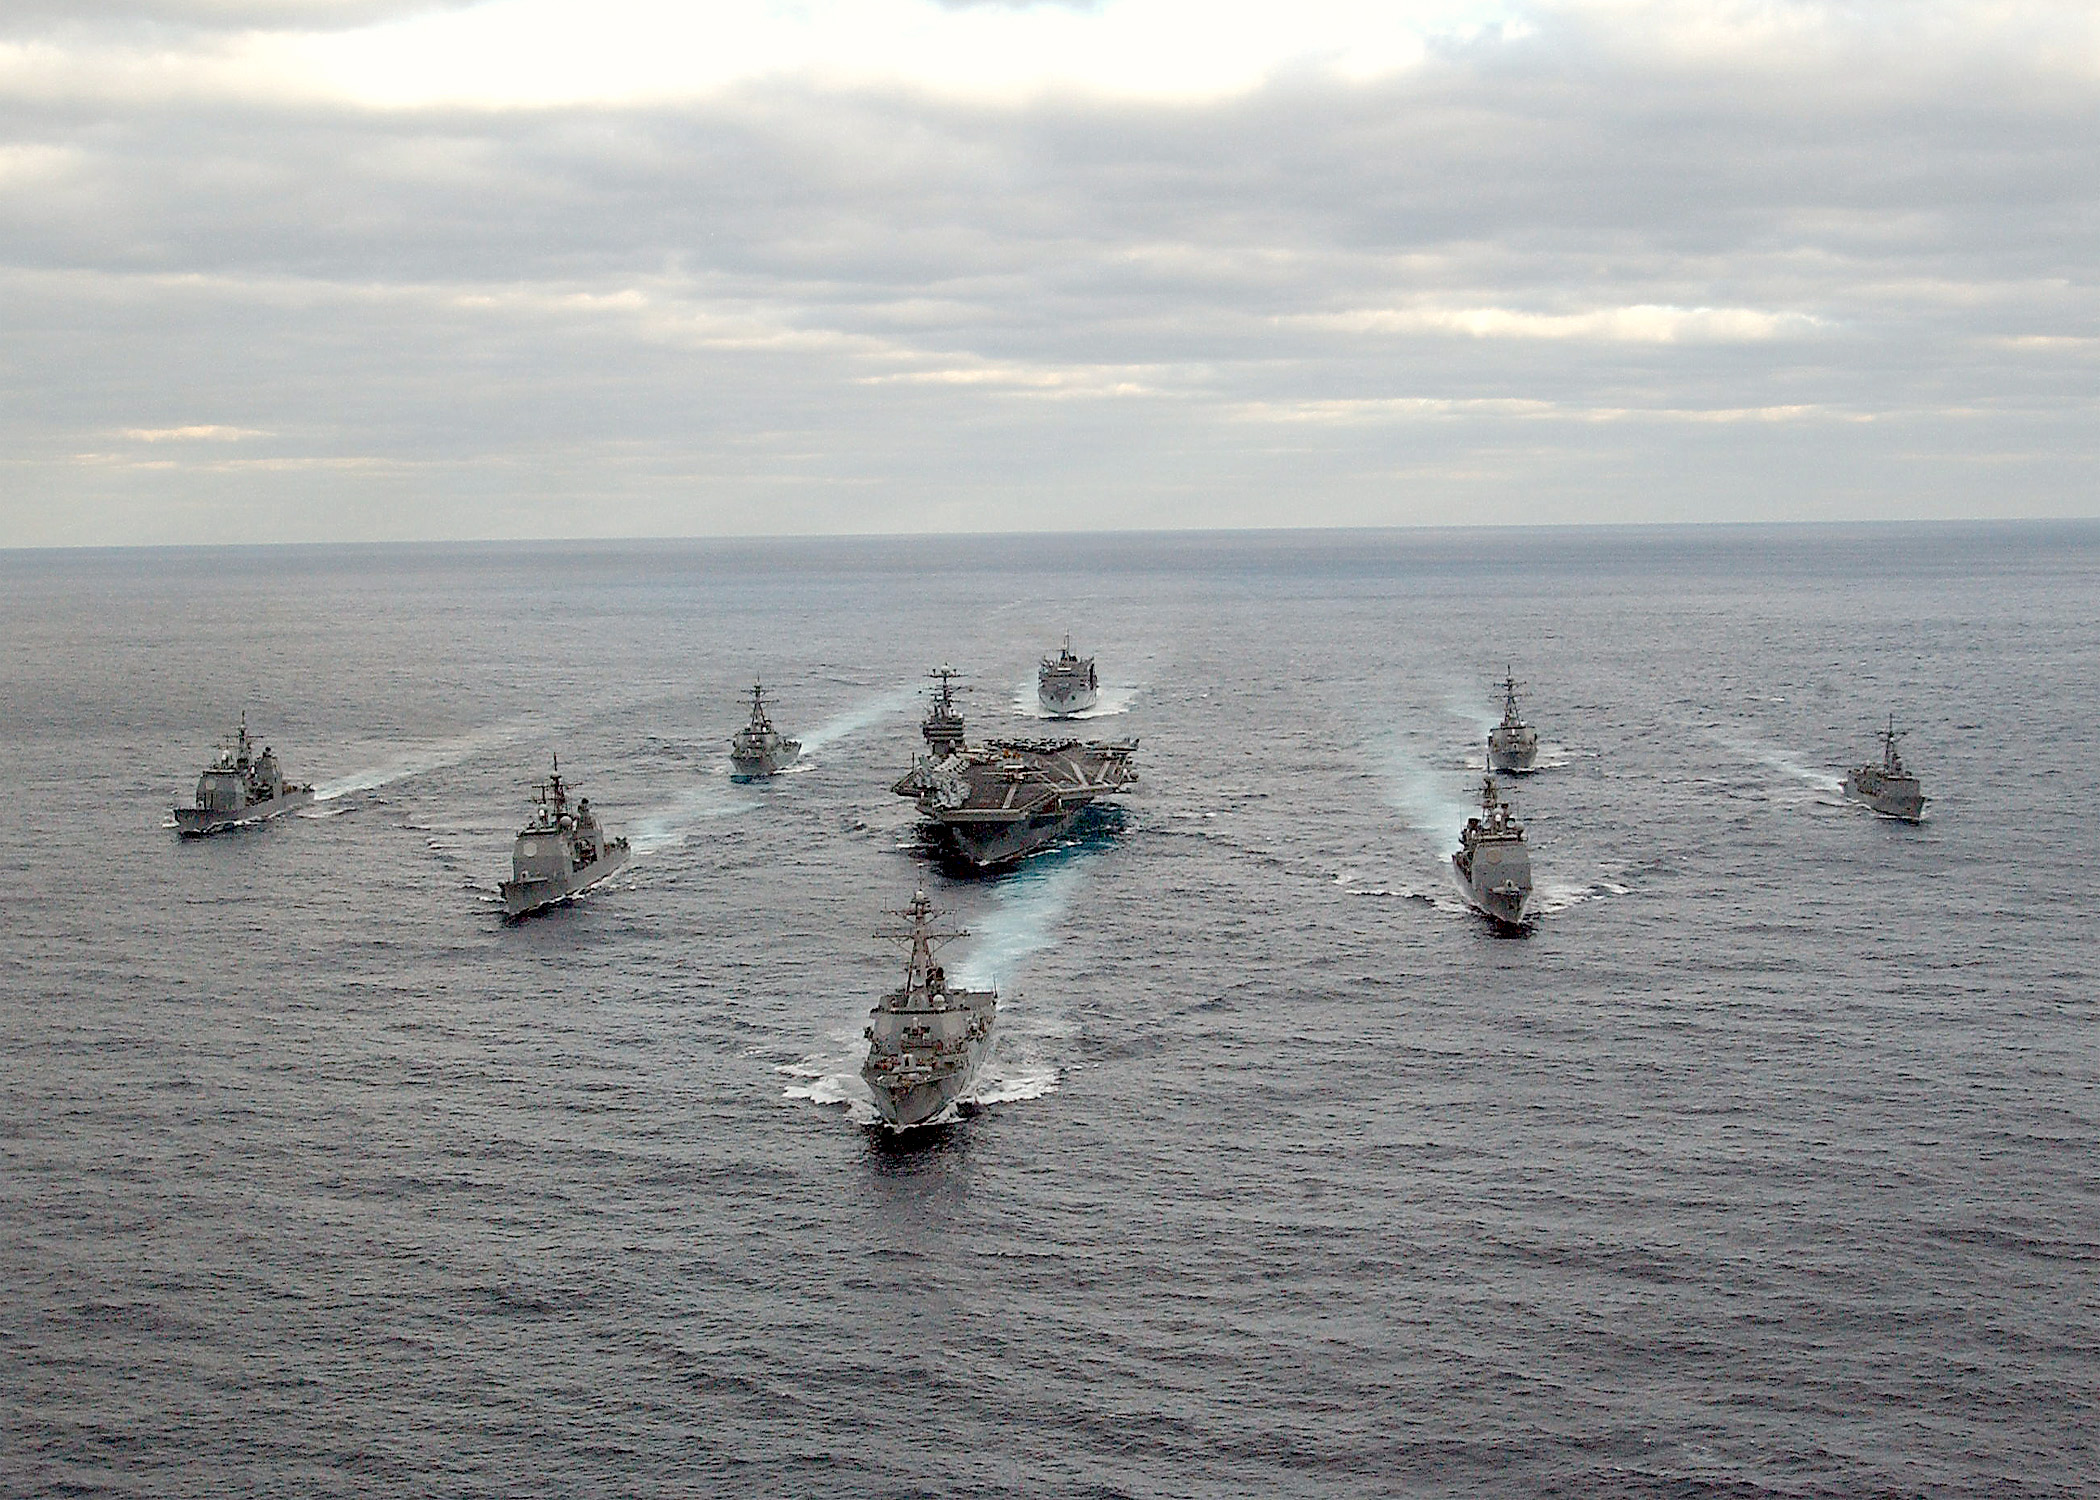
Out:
{"x": 921, "y": 939}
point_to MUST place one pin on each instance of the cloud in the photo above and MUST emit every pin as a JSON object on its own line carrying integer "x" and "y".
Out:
{"x": 192, "y": 434}
{"x": 1744, "y": 258}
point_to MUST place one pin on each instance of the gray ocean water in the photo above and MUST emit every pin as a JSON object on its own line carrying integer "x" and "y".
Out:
{"x": 1767, "y": 1164}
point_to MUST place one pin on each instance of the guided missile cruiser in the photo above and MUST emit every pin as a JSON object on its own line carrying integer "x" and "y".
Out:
{"x": 562, "y": 851}
{"x": 1493, "y": 866}
{"x": 239, "y": 787}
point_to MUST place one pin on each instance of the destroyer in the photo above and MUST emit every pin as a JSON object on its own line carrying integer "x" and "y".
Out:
{"x": 758, "y": 749}
{"x": 992, "y": 804}
{"x": 1888, "y": 788}
{"x": 240, "y": 787}
{"x": 1513, "y": 745}
{"x": 561, "y": 852}
{"x": 1065, "y": 684}
{"x": 926, "y": 1039}
{"x": 1494, "y": 867}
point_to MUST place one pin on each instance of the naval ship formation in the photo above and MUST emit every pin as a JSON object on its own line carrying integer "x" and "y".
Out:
{"x": 984, "y": 806}
{"x": 999, "y": 801}
{"x": 240, "y": 787}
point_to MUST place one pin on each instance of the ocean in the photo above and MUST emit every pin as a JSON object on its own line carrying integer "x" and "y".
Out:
{"x": 1767, "y": 1163}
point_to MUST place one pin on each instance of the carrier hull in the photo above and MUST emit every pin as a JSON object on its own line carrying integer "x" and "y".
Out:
{"x": 199, "y": 822}
{"x": 521, "y": 898}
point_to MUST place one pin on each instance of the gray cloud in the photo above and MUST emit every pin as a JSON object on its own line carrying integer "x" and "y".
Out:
{"x": 1538, "y": 279}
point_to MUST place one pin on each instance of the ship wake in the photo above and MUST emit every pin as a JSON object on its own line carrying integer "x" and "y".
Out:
{"x": 862, "y": 717}
{"x": 663, "y": 827}
{"x": 1778, "y": 760}
{"x": 434, "y": 757}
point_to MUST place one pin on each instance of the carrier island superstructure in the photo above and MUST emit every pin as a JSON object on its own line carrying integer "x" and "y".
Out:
{"x": 240, "y": 786}
{"x": 993, "y": 803}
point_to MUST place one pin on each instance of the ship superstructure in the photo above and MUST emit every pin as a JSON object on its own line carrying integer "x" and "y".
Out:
{"x": 1889, "y": 788}
{"x": 926, "y": 1038}
{"x": 758, "y": 749}
{"x": 240, "y": 786}
{"x": 1493, "y": 866}
{"x": 561, "y": 851}
{"x": 1513, "y": 745}
{"x": 1065, "y": 684}
{"x": 993, "y": 803}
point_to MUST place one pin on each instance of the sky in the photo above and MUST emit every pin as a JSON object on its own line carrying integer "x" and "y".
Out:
{"x": 359, "y": 270}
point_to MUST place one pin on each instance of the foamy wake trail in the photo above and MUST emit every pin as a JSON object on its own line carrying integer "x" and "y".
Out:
{"x": 1026, "y": 909}
{"x": 1473, "y": 711}
{"x": 1550, "y": 896}
{"x": 1115, "y": 698}
{"x": 1422, "y": 792}
{"x": 854, "y": 720}
{"x": 1780, "y": 761}
{"x": 833, "y": 1077}
{"x": 430, "y": 758}
{"x": 662, "y": 827}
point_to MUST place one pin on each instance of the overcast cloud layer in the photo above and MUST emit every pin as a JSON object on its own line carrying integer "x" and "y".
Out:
{"x": 345, "y": 269}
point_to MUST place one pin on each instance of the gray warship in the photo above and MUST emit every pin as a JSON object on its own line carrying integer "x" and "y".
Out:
{"x": 1494, "y": 867}
{"x": 1065, "y": 684}
{"x": 926, "y": 1039}
{"x": 240, "y": 787}
{"x": 560, "y": 852}
{"x": 997, "y": 802}
{"x": 1513, "y": 745}
{"x": 758, "y": 749}
{"x": 1888, "y": 788}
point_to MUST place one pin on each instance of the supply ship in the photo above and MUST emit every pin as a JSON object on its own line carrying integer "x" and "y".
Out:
{"x": 1065, "y": 684}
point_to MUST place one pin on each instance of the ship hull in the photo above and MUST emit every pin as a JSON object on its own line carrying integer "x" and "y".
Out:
{"x": 1061, "y": 702}
{"x": 197, "y": 822}
{"x": 919, "y": 1104}
{"x": 759, "y": 767}
{"x": 986, "y": 845}
{"x": 1512, "y": 754}
{"x": 521, "y": 898}
{"x": 1902, "y": 801}
{"x": 1497, "y": 885}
